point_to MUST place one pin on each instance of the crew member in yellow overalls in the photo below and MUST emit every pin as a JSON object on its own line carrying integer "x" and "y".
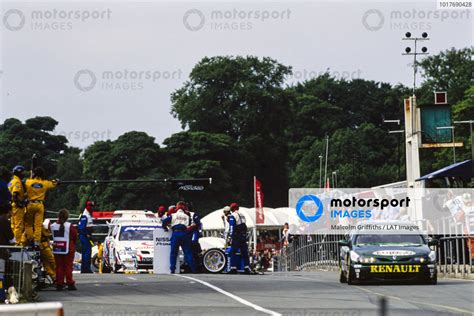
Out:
{"x": 47, "y": 257}
{"x": 36, "y": 188}
{"x": 19, "y": 201}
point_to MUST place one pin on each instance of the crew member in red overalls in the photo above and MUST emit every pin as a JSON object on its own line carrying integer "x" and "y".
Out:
{"x": 64, "y": 248}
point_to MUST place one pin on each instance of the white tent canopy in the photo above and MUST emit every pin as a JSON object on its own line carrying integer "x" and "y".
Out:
{"x": 274, "y": 218}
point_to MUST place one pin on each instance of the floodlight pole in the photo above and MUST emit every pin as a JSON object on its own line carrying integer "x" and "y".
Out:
{"x": 412, "y": 117}
{"x": 320, "y": 169}
{"x": 326, "y": 163}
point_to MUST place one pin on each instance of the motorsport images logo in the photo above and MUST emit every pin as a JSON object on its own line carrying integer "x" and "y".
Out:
{"x": 314, "y": 202}
{"x": 410, "y": 20}
{"x": 123, "y": 79}
{"x": 341, "y": 208}
{"x": 52, "y": 19}
{"x": 231, "y": 19}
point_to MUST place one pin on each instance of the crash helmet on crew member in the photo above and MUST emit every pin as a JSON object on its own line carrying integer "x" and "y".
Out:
{"x": 234, "y": 207}
{"x": 18, "y": 170}
{"x": 161, "y": 210}
{"x": 181, "y": 205}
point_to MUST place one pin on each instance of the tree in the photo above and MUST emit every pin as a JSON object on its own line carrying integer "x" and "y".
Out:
{"x": 207, "y": 155}
{"x": 451, "y": 71}
{"x": 244, "y": 98}
{"x": 134, "y": 155}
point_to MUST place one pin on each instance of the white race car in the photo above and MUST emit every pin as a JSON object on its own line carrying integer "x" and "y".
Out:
{"x": 129, "y": 247}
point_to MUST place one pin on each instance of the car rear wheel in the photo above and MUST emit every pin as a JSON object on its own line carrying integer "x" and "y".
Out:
{"x": 433, "y": 281}
{"x": 214, "y": 260}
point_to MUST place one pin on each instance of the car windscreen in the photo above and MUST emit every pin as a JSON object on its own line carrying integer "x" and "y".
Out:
{"x": 131, "y": 233}
{"x": 388, "y": 239}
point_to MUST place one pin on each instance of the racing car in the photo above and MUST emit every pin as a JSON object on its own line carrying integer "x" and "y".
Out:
{"x": 129, "y": 247}
{"x": 403, "y": 257}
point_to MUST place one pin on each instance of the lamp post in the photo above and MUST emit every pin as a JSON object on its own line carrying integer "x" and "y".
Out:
{"x": 470, "y": 122}
{"x": 320, "y": 169}
{"x": 452, "y": 135}
{"x": 326, "y": 163}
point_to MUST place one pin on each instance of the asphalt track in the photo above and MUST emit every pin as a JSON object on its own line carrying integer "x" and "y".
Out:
{"x": 296, "y": 294}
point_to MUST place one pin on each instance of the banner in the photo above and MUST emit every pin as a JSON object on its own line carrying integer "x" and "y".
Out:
{"x": 161, "y": 252}
{"x": 260, "y": 217}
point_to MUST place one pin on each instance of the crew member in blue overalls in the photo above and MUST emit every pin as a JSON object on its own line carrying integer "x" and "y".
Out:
{"x": 179, "y": 222}
{"x": 194, "y": 234}
{"x": 85, "y": 235}
{"x": 238, "y": 234}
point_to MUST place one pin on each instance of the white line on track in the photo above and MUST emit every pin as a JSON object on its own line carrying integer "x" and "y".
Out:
{"x": 235, "y": 297}
{"x": 132, "y": 278}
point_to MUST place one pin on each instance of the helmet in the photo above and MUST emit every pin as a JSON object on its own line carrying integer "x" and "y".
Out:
{"x": 226, "y": 209}
{"x": 171, "y": 208}
{"x": 234, "y": 206}
{"x": 89, "y": 203}
{"x": 18, "y": 168}
{"x": 181, "y": 205}
{"x": 161, "y": 210}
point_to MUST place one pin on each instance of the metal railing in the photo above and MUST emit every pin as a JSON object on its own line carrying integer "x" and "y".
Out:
{"x": 11, "y": 267}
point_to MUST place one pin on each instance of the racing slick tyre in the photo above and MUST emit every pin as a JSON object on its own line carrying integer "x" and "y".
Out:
{"x": 350, "y": 273}
{"x": 95, "y": 262}
{"x": 214, "y": 261}
{"x": 105, "y": 268}
{"x": 432, "y": 281}
{"x": 342, "y": 277}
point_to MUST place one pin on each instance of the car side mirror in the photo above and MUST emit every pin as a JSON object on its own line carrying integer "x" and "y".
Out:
{"x": 344, "y": 242}
{"x": 433, "y": 242}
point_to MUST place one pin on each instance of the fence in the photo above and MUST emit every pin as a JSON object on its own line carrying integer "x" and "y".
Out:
{"x": 16, "y": 270}
{"x": 321, "y": 252}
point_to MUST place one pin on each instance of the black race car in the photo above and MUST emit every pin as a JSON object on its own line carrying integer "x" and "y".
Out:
{"x": 390, "y": 257}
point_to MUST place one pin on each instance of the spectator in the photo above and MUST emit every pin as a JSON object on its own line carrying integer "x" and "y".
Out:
{"x": 286, "y": 235}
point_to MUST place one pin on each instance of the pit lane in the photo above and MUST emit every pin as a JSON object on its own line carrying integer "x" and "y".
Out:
{"x": 295, "y": 293}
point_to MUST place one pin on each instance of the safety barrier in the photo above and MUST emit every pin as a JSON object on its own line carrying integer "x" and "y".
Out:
{"x": 16, "y": 270}
{"x": 33, "y": 309}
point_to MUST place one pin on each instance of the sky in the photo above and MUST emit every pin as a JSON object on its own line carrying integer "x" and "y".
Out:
{"x": 104, "y": 68}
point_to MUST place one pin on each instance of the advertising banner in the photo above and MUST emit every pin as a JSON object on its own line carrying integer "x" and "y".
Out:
{"x": 161, "y": 254}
